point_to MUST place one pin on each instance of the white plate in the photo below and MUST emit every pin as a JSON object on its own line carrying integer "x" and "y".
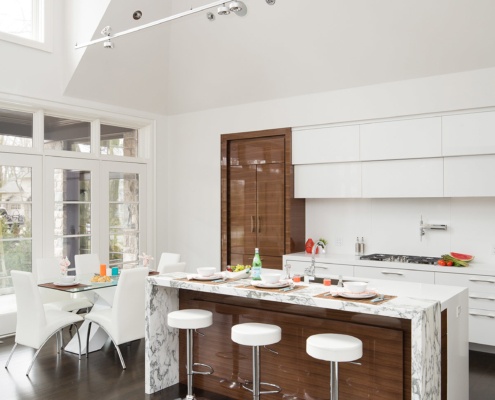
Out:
{"x": 364, "y": 295}
{"x": 280, "y": 284}
{"x": 66, "y": 284}
{"x": 207, "y": 278}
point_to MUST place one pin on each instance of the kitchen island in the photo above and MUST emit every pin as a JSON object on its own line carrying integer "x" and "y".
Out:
{"x": 415, "y": 344}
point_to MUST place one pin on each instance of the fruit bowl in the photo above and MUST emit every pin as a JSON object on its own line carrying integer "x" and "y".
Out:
{"x": 238, "y": 275}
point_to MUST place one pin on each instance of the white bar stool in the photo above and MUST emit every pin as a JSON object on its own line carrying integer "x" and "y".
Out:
{"x": 191, "y": 319}
{"x": 256, "y": 335}
{"x": 334, "y": 348}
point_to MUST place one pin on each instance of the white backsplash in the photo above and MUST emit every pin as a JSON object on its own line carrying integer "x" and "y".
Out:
{"x": 392, "y": 225}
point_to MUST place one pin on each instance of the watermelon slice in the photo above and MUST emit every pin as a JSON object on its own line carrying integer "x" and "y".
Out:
{"x": 462, "y": 257}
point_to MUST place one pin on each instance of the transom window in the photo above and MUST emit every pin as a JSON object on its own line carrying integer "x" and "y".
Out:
{"x": 23, "y": 18}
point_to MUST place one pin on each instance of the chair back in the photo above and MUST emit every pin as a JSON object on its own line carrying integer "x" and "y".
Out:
{"x": 31, "y": 319}
{"x": 170, "y": 262}
{"x": 87, "y": 264}
{"x": 47, "y": 270}
{"x": 129, "y": 305}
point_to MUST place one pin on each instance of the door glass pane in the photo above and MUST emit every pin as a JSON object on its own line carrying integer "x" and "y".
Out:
{"x": 67, "y": 134}
{"x": 72, "y": 214}
{"x": 124, "y": 219}
{"x": 15, "y": 223}
{"x": 16, "y": 128}
{"x": 118, "y": 141}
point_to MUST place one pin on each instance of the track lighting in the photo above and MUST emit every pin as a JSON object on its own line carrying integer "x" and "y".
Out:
{"x": 223, "y": 10}
{"x": 235, "y": 6}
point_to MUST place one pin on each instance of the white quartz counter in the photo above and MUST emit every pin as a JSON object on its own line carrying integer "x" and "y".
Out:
{"x": 420, "y": 303}
{"x": 474, "y": 268}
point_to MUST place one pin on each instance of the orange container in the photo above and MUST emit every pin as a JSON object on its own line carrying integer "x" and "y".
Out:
{"x": 103, "y": 269}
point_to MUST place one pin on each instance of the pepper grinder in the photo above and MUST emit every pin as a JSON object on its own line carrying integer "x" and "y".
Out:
{"x": 361, "y": 247}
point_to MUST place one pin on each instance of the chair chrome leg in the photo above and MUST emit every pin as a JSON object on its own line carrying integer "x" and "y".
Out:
{"x": 120, "y": 355}
{"x": 10, "y": 355}
{"x": 58, "y": 344}
{"x": 78, "y": 339}
{"x": 87, "y": 339}
{"x": 32, "y": 361}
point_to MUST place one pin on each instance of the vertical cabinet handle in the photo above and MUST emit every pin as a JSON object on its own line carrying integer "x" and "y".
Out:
{"x": 252, "y": 223}
{"x": 259, "y": 224}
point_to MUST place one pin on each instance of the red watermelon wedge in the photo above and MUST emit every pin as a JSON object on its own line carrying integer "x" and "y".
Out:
{"x": 462, "y": 257}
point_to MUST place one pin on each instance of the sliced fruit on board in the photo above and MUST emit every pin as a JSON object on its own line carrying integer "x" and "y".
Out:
{"x": 462, "y": 257}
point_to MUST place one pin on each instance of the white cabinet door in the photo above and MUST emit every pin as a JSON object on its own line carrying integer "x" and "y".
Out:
{"x": 412, "y": 138}
{"x": 321, "y": 145}
{"x": 469, "y": 176}
{"x": 466, "y": 134}
{"x": 481, "y": 326}
{"x": 322, "y": 269}
{"x": 403, "y": 178}
{"x": 394, "y": 274}
{"x": 338, "y": 180}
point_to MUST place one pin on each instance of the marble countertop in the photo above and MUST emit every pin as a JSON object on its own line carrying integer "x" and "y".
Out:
{"x": 411, "y": 297}
{"x": 474, "y": 268}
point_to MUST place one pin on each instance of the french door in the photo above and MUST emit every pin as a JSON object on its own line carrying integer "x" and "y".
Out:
{"x": 94, "y": 206}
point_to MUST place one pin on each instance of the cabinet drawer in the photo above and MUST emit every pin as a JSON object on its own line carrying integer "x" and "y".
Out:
{"x": 403, "y": 178}
{"x": 393, "y": 274}
{"x": 474, "y": 174}
{"x": 414, "y": 138}
{"x": 338, "y": 180}
{"x": 479, "y": 284}
{"x": 322, "y": 269}
{"x": 322, "y": 145}
{"x": 482, "y": 301}
{"x": 481, "y": 326}
{"x": 465, "y": 134}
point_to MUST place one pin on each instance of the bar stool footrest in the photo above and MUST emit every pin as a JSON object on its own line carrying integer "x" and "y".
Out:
{"x": 277, "y": 389}
{"x": 209, "y": 367}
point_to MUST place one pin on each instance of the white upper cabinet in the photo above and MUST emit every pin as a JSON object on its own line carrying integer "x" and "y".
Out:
{"x": 403, "y": 178}
{"x": 320, "y": 145}
{"x": 466, "y": 134}
{"x": 412, "y": 138}
{"x": 469, "y": 176}
{"x": 336, "y": 180}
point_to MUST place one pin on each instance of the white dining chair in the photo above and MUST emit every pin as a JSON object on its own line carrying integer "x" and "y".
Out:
{"x": 87, "y": 264}
{"x": 47, "y": 270}
{"x": 35, "y": 325}
{"x": 124, "y": 322}
{"x": 170, "y": 262}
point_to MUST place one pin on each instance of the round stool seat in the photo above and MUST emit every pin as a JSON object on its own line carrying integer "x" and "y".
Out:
{"x": 256, "y": 334}
{"x": 190, "y": 319}
{"x": 334, "y": 347}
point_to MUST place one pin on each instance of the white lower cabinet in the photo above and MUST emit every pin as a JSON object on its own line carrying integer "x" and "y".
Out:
{"x": 322, "y": 269}
{"x": 481, "y": 304}
{"x": 394, "y": 274}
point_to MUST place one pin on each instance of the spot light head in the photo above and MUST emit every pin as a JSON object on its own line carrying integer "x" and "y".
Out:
{"x": 107, "y": 44}
{"x": 223, "y": 10}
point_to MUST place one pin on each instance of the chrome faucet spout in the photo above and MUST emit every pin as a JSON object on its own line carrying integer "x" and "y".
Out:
{"x": 310, "y": 271}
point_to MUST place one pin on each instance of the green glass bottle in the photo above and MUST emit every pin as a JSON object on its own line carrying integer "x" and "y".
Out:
{"x": 256, "y": 270}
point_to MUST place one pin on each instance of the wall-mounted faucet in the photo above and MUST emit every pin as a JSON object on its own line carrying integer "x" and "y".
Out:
{"x": 435, "y": 227}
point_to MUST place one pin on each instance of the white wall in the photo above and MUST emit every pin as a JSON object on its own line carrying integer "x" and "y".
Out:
{"x": 193, "y": 157}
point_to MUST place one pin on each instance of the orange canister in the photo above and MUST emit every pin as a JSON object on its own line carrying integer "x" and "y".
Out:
{"x": 103, "y": 269}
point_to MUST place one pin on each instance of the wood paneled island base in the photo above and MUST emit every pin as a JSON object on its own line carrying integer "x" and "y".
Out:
{"x": 384, "y": 372}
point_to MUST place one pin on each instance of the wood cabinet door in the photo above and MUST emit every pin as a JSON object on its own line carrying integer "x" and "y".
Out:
{"x": 242, "y": 210}
{"x": 270, "y": 199}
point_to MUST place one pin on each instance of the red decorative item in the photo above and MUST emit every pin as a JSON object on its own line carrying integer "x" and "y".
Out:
{"x": 309, "y": 246}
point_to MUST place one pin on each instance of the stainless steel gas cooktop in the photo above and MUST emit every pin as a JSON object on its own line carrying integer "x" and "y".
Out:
{"x": 401, "y": 258}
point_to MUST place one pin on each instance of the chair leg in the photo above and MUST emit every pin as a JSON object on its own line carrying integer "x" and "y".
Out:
{"x": 87, "y": 339}
{"x": 78, "y": 339}
{"x": 120, "y": 354}
{"x": 32, "y": 361}
{"x": 10, "y": 355}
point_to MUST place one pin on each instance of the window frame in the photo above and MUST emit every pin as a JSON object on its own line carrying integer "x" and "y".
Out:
{"x": 45, "y": 41}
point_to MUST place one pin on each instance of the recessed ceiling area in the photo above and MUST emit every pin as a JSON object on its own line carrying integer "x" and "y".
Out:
{"x": 276, "y": 51}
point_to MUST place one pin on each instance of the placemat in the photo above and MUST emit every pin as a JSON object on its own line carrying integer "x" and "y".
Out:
{"x": 200, "y": 281}
{"x": 153, "y": 273}
{"x": 281, "y": 290}
{"x": 53, "y": 286}
{"x": 365, "y": 301}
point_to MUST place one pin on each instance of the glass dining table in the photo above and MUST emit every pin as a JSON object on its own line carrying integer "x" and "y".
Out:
{"x": 103, "y": 293}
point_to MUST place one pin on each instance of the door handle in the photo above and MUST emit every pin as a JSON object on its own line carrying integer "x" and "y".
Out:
{"x": 481, "y": 298}
{"x": 259, "y": 224}
{"x": 482, "y": 315}
{"x": 481, "y": 280}
{"x": 392, "y": 273}
{"x": 252, "y": 223}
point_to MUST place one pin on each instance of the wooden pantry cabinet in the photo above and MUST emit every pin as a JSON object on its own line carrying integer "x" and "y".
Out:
{"x": 258, "y": 204}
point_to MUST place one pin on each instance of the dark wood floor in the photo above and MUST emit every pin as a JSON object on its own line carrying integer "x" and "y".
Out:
{"x": 101, "y": 377}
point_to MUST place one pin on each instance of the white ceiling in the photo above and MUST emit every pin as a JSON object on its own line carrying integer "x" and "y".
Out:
{"x": 293, "y": 48}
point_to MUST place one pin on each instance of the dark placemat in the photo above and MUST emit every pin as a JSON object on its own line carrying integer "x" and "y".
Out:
{"x": 365, "y": 301}
{"x": 53, "y": 286}
{"x": 201, "y": 281}
{"x": 281, "y": 290}
{"x": 153, "y": 273}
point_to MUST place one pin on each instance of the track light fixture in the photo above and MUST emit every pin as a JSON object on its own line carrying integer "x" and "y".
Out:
{"x": 223, "y": 10}
{"x": 235, "y": 6}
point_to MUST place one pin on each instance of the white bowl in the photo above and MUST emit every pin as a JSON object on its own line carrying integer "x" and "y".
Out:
{"x": 270, "y": 277}
{"x": 206, "y": 271}
{"x": 356, "y": 287}
{"x": 67, "y": 279}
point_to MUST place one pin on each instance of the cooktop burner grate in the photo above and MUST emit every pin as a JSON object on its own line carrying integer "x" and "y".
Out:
{"x": 401, "y": 258}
